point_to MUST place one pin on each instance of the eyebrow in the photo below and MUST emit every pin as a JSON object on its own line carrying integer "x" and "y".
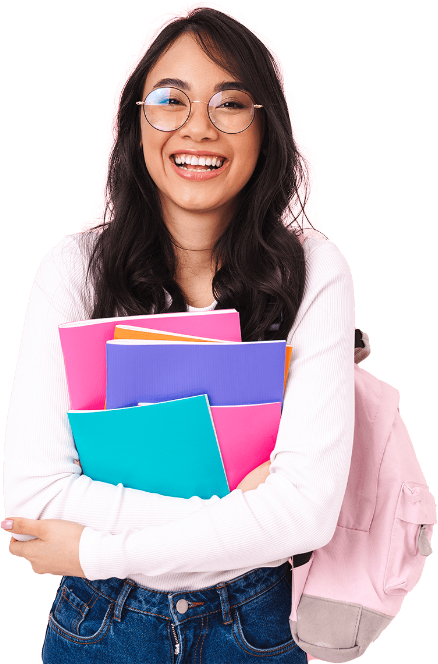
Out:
{"x": 220, "y": 87}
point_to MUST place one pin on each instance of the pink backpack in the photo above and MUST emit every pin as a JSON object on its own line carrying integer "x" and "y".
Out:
{"x": 345, "y": 595}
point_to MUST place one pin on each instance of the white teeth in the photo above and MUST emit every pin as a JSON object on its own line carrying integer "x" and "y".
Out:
{"x": 188, "y": 159}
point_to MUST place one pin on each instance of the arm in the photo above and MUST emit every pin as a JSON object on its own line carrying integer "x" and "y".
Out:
{"x": 41, "y": 480}
{"x": 250, "y": 481}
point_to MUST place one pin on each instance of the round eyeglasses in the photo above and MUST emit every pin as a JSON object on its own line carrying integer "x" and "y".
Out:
{"x": 230, "y": 111}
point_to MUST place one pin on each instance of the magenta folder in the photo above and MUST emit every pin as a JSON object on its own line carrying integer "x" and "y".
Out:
{"x": 84, "y": 346}
{"x": 246, "y": 436}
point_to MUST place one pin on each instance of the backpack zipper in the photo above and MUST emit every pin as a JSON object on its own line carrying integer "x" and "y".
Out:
{"x": 176, "y": 651}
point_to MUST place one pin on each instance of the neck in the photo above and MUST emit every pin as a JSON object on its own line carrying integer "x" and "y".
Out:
{"x": 194, "y": 235}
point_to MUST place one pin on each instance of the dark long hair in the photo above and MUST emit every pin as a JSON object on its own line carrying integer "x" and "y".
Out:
{"x": 260, "y": 266}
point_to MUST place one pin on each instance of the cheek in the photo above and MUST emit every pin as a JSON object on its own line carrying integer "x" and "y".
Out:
{"x": 248, "y": 154}
{"x": 154, "y": 165}
{"x": 153, "y": 143}
{"x": 251, "y": 143}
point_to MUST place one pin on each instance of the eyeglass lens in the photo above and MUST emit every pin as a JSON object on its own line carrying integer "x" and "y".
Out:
{"x": 230, "y": 111}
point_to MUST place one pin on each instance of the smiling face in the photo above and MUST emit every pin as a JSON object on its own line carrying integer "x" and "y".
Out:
{"x": 184, "y": 188}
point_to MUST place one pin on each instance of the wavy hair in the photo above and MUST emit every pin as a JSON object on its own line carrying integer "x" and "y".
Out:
{"x": 259, "y": 262}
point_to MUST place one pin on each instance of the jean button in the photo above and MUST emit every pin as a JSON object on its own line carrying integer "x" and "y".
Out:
{"x": 182, "y": 606}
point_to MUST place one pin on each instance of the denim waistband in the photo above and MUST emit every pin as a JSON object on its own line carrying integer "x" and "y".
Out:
{"x": 184, "y": 605}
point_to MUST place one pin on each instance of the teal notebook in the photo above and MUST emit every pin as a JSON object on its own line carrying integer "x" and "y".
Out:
{"x": 168, "y": 448}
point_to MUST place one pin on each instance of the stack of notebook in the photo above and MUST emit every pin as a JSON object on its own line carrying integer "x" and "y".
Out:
{"x": 173, "y": 404}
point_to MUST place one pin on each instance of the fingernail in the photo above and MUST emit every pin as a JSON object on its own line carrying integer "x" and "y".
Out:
{"x": 8, "y": 524}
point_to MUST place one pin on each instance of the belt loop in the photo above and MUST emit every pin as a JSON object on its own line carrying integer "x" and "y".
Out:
{"x": 225, "y": 605}
{"x": 127, "y": 586}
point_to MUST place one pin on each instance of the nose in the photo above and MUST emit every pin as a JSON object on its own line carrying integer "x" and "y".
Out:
{"x": 199, "y": 122}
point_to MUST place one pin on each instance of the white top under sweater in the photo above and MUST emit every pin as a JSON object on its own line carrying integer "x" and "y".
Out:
{"x": 170, "y": 543}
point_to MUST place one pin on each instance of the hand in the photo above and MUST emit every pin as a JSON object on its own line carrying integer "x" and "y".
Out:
{"x": 56, "y": 549}
{"x": 255, "y": 477}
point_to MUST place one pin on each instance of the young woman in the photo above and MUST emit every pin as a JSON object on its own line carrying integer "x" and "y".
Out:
{"x": 202, "y": 179}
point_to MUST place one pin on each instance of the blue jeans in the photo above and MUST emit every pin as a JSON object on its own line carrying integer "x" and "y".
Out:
{"x": 109, "y": 621}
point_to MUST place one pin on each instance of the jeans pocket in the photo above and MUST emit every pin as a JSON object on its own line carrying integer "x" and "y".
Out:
{"x": 261, "y": 624}
{"x": 79, "y": 613}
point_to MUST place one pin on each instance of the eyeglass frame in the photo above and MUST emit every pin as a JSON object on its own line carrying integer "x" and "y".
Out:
{"x": 197, "y": 101}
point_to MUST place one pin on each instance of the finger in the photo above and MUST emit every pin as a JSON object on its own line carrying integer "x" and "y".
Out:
{"x": 21, "y": 526}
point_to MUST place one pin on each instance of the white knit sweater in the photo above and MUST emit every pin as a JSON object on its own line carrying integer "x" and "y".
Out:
{"x": 173, "y": 543}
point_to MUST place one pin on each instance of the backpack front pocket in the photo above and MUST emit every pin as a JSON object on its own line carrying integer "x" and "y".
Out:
{"x": 410, "y": 538}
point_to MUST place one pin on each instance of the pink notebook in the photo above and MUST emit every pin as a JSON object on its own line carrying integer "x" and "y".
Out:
{"x": 84, "y": 346}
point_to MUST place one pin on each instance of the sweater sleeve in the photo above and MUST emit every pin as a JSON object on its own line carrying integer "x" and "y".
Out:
{"x": 297, "y": 508}
{"x": 41, "y": 480}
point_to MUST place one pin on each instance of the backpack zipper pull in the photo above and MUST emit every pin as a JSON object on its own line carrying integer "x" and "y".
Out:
{"x": 423, "y": 543}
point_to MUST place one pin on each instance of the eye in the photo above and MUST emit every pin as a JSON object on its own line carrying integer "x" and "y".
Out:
{"x": 231, "y": 104}
{"x": 171, "y": 101}
{"x": 170, "y": 97}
